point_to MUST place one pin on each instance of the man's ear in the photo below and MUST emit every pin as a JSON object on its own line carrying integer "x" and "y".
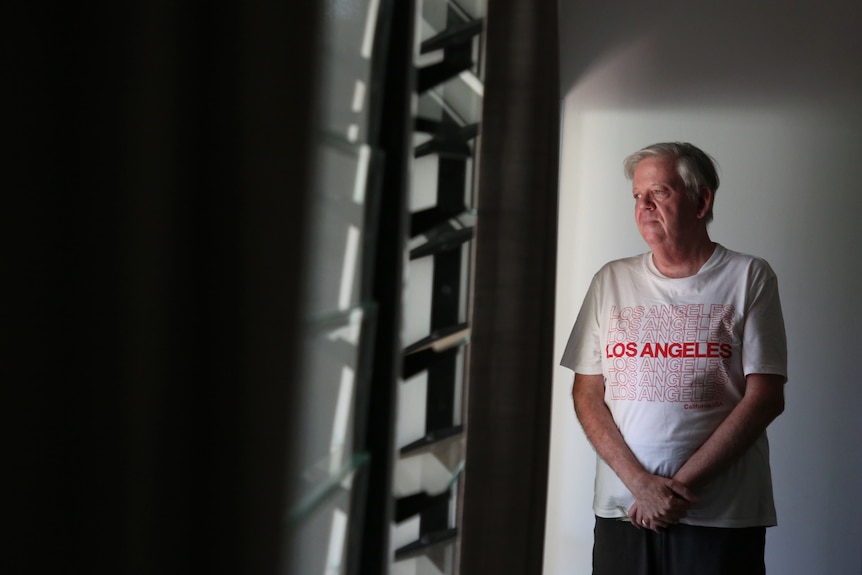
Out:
{"x": 705, "y": 202}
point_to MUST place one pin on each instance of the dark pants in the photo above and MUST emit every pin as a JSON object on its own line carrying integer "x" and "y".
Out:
{"x": 623, "y": 549}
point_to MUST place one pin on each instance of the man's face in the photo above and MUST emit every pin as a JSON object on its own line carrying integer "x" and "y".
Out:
{"x": 663, "y": 210}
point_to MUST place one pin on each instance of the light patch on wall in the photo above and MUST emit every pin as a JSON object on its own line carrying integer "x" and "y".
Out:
{"x": 370, "y": 27}
{"x": 341, "y": 419}
{"x": 348, "y": 271}
{"x": 335, "y": 551}
{"x": 361, "y": 180}
{"x": 617, "y": 78}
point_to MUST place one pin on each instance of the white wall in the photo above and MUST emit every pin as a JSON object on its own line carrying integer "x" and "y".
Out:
{"x": 776, "y": 98}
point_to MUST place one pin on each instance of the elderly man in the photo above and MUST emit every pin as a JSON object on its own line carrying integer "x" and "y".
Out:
{"x": 680, "y": 361}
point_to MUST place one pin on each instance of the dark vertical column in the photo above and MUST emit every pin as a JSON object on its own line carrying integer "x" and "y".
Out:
{"x": 278, "y": 123}
{"x": 60, "y": 417}
{"x": 394, "y": 74}
{"x": 152, "y": 264}
{"x": 218, "y": 112}
{"x": 509, "y": 395}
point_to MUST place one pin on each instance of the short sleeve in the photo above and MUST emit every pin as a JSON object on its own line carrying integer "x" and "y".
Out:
{"x": 764, "y": 346}
{"x": 583, "y": 350}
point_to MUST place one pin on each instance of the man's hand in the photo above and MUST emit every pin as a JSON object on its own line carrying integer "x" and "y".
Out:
{"x": 659, "y": 502}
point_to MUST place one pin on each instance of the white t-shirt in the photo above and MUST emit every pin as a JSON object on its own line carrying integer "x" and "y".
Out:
{"x": 674, "y": 353}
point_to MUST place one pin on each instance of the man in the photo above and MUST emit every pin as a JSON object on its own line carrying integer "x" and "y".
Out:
{"x": 680, "y": 361}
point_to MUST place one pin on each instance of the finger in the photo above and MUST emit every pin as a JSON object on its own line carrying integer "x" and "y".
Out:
{"x": 673, "y": 515}
{"x": 634, "y": 515}
{"x": 651, "y": 525}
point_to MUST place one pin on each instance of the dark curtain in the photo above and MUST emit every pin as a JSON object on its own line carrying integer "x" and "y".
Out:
{"x": 509, "y": 397}
{"x": 154, "y": 195}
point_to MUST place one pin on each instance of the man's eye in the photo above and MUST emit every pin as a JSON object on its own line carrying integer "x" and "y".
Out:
{"x": 659, "y": 192}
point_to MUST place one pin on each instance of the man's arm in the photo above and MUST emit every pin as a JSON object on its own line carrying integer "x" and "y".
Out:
{"x": 659, "y": 501}
{"x": 762, "y": 403}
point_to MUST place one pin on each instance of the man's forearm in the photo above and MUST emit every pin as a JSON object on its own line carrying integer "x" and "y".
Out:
{"x": 659, "y": 501}
{"x": 601, "y": 430}
{"x": 762, "y": 403}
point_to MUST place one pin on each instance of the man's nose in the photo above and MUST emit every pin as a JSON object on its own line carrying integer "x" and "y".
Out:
{"x": 645, "y": 202}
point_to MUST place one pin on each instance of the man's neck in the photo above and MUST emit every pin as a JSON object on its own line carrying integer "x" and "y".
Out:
{"x": 682, "y": 261}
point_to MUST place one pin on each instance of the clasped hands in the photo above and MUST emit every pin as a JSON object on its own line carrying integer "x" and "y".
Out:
{"x": 659, "y": 502}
